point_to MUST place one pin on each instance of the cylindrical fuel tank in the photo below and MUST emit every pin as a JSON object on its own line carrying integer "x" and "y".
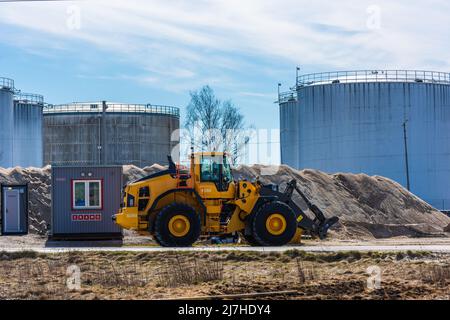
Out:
{"x": 109, "y": 134}
{"x": 28, "y": 148}
{"x": 390, "y": 123}
{"x": 6, "y": 122}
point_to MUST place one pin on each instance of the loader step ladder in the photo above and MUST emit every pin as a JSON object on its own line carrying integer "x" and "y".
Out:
{"x": 182, "y": 175}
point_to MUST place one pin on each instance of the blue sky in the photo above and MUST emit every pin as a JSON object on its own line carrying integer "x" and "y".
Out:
{"x": 141, "y": 51}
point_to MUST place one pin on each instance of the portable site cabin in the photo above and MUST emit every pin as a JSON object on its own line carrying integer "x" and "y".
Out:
{"x": 84, "y": 199}
{"x": 14, "y": 209}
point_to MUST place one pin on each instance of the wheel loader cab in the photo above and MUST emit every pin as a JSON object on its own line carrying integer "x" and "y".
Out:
{"x": 213, "y": 176}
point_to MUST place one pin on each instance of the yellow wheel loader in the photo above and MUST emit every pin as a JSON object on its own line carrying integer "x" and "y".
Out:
{"x": 179, "y": 205}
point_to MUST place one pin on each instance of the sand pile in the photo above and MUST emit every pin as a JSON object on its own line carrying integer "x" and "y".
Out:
{"x": 132, "y": 173}
{"x": 369, "y": 207}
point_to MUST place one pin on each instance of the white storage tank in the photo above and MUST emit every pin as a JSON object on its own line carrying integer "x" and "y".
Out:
{"x": 359, "y": 121}
{"x": 27, "y": 142}
{"x": 6, "y": 122}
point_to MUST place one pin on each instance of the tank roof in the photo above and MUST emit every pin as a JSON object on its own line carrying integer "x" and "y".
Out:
{"x": 364, "y": 76}
{"x": 111, "y": 107}
{"x": 29, "y": 98}
{"x": 357, "y": 76}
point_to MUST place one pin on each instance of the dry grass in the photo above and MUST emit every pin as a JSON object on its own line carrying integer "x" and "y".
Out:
{"x": 305, "y": 274}
{"x": 159, "y": 275}
{"x": 179, "y": 272}
{"x": 438, "y": 275}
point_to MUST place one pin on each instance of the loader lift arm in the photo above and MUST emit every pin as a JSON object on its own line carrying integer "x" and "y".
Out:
{"x": 320, "y": 225}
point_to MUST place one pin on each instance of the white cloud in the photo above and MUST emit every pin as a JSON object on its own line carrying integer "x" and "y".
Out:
{"x": 182, "y": 43}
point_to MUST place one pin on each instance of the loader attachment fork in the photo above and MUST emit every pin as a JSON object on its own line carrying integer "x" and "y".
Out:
{"x": 320, "y": 225}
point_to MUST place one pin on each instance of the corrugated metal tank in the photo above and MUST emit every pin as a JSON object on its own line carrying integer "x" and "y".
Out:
{"x": 84, "y": 134}
{"x": 28, "y": 149}
{"x": 354, "y": 122}
{"x": 6, "y": 122}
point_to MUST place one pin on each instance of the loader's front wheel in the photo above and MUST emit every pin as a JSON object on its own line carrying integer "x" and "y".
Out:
{"x": 274, "y": 224}
{"x": 248, "y": 233}
{"x": 177, "y": 225}
{"x": 250, "y": 240}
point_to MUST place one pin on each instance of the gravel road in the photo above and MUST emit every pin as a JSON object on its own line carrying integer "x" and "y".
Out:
{"x": 142, "y": 244}
{"x": 339, "y": 248}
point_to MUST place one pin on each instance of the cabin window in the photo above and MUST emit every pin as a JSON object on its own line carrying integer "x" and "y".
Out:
{"x": 87, "y": 194}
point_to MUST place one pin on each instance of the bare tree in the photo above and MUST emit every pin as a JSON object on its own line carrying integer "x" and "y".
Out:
{"x": 213, "y": 125}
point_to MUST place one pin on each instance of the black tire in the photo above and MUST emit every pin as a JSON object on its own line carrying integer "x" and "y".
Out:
{"x": 260, "y": 232}
{"x": 249, "y": 230}
{"x": 162, "y": 233}
{"x": 250, "y": 240}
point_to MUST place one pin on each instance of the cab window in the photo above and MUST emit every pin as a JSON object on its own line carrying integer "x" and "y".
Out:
{"x": 216, "y": 170}
{"x": 227, "y": 176}
{"x": 210, "y": 169}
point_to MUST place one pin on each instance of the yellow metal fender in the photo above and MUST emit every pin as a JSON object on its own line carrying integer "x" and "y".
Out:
{"x": 236, "y": 224}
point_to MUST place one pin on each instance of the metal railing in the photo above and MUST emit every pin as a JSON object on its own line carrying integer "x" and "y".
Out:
{"x": 111, "y": 108}
{"x": 290, "y": 96}
{"x": 417, "y": 76}
{"x": 6, "y": 83}
{"x": 28, "y": 98}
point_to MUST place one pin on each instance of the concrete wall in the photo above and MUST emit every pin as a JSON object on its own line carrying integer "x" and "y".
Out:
{"x": 6, "y": 127}
{"x": 130, "y": 138}
{"x": 357, "y": 127}
{"x": 27, "y": 148}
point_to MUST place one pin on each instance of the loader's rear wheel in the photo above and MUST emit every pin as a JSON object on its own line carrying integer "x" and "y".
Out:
{"x": 274, "y": 224}
{"x": 177, "y": 225}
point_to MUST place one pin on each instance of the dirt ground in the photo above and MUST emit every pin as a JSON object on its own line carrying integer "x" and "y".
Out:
{"x": 131, "y": 240}
{"x": 170, "y": 275}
